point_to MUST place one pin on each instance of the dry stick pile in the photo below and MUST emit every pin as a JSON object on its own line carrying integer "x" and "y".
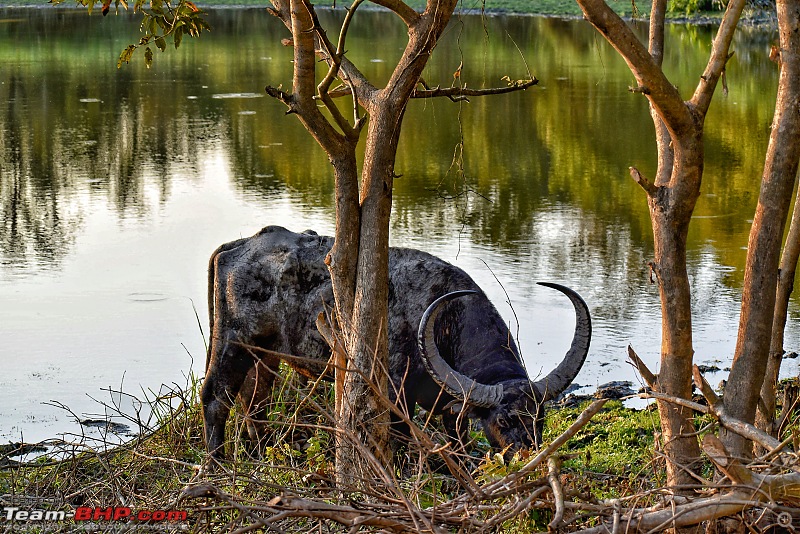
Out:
{"x": 769, "y": 487}
{"x": 265, "y": 496}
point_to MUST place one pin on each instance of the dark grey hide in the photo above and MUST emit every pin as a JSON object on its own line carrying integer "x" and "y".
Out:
{"x": 267, "y": 291}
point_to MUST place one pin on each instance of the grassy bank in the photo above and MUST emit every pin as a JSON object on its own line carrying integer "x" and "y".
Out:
{"x": 610, "y": 457}
{"x": 596, "y": 460}
{"x": 684, "y": 10}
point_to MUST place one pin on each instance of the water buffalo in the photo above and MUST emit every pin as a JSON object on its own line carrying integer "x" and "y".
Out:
{"x": 447, "y": 342}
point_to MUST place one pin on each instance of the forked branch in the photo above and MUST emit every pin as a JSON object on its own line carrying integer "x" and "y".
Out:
{"x": 334, "y": 56}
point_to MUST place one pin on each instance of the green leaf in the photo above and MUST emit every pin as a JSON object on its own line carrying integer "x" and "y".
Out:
{"x": 178, "y": 36}
{"x": 148, "y": 57}
{"x": 125, "y": 56}
{"x": 161, "y": 43}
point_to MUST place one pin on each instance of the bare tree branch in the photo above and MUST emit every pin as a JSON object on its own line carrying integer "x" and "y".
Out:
{"x": 658, "y": 13}
{"x": 403, "y": 10}
{"x": 651, "y": 190}
{"x": 701, "y": 99}
{"x": 553, "y": 472}
{"x": 334, "y": 59}
{"x": 455, "y": 93}
{"x": 717, "y": 409}
{"x": 650, "y": 379}
{"x": 693, "y": 513}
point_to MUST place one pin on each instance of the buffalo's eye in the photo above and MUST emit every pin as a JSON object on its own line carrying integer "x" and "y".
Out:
{"x": 502, "y": 422}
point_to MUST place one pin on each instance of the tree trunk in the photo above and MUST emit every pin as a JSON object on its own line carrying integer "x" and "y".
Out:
{"x": 670, "y": 229}
{"x": 671, "y": 203}
{"x": 364, "y": 417}
{"x": 674, "y": 378}
{"x": 671, "y": 199}
{"x": 358, "y": 261}
{"x": 765, "y": 416}
{"x": 760, "y": 281}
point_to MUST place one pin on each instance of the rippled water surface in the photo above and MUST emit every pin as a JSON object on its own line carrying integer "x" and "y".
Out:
{"x": 116, "y": 185}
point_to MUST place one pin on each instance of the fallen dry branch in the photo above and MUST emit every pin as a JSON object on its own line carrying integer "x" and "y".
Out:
{"x": 749, "y": 490}
{"x": 717, "y": 409}
{"x": 484, "y": 508}
{"x": 284, "y": 507}
{"x": 715, "y": 406}
{"x": 553, "y": 472}
{"x": 747, "y": 487}
{"x": 762, "y": 487}
{"x": 487, "y": 506}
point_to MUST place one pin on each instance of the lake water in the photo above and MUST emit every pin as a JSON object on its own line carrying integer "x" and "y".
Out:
{"x": 116, "y": 185}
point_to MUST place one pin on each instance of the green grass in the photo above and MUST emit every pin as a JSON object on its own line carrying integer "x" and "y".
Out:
{"x": 613, "y": 455}
{"x": 617, "y": 441}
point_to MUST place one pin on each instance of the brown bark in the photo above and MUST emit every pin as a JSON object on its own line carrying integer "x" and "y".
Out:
{"x": 760, "y": 281}
{"x": 671, "y": 199}
{"x": 765, "y": 416}
{"x": 368, "y": 347}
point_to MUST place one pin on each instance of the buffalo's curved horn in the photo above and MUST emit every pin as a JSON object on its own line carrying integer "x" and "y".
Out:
{"x": 562, "y": 376}
{"x": 456, "y": 384}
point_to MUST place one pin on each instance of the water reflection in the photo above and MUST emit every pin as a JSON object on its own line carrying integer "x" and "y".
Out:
{"x": 115, "y": 185}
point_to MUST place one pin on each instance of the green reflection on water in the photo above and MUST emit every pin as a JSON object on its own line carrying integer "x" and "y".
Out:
{"x": 74, "y": 125}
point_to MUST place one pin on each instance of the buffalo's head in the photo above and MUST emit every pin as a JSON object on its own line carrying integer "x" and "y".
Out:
{"x": 517, "y": 422}
{"x": 511, "y": 411}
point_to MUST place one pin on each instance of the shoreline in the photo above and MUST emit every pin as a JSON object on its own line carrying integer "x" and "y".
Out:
{"x": 751, "y": 18}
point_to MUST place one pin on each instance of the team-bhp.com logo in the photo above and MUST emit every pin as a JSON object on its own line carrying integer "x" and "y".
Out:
{"x": 86, "y": 513}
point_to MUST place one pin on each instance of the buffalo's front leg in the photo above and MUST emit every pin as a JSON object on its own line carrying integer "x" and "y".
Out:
{"x": 224, "y": 377}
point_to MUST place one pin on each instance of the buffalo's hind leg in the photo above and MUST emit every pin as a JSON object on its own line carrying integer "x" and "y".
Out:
{"x": 255, "y": 397}
{"x": 224, "y": 379}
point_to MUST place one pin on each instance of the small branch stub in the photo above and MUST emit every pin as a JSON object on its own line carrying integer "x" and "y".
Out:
{"x": 639, "y": 89}
{"x": 647, "y": 375}
{"x": 643, "y": 182}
